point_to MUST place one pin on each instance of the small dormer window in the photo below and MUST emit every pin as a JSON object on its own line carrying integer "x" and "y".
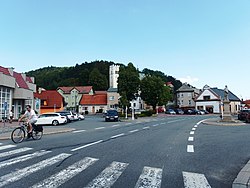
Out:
{"x": 206, "y": 98}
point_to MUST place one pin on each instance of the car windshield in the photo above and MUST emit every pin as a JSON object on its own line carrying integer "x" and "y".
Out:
{"x": 112, "y": 112}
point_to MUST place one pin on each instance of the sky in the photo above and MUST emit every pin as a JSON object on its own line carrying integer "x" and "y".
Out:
{"x": 202, "y": 42}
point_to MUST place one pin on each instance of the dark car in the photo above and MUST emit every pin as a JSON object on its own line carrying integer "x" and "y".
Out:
{"x": 248, "y": 118}
{"x": 243, "y": 114}
{"x": 179, "y": 111}
{"x": 191, "y": 112}
{"x": 111, "y": 115}
{"x": 170, "y": 111}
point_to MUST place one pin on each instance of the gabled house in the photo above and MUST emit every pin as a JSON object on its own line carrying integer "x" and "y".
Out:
{"x": 73, "y": 95}
{"x": 91, "y": 104}
{"x": 211, "y": 99}
{"x": 17, "y": 90}
{"x": 50, "y": 101}
{"x": 185, "y": 96}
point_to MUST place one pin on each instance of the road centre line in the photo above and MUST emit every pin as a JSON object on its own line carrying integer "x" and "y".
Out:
{"x": 79, "y": 131}
{"x": 128, "y": 123}
{"x": 193, "y": 129}
{"x": 190, "y": 148}
{"x": 146, "y": 127}
{"x": 190, "y": 139}
{"x": 115, "y": 125}
{"x": 122, "y": 134}
{"x": 87, "y": 145}
{"x": 155, "y": 125}
{"x": 98, "y": 128}
{"x": 133, "y": 131}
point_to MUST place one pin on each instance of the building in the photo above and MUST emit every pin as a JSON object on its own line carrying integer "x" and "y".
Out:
{"x": 113, "y": 75}
{"x": 50, "y": 101}
{"x": 113, "y": 98}
{"x": 91, "y": 104}
{"x": 211, "y": 99}
{"x": 16, "y": 91}
{"x": 185, "y": 96}
{"x": 73, "y": 95}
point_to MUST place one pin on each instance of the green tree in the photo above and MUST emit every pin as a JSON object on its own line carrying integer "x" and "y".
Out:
{"x": 97, "y": 80}
{"x": 128, "y": 83}
{"x": 153, "y": 91}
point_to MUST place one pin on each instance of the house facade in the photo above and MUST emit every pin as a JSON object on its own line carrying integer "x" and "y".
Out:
{"x": 92, "y": 104}
{"x": 211, "y": 99}
{"x": 16, "y": 91}
{"x": 50, "y": 101}
{"x": 73, "y": 95}
{"x": 185, "y": 96}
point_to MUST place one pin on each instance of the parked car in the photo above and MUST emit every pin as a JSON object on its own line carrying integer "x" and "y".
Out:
{"x": 111, "y": 115}
{"x": 170, "y": 111}
{"x": 190, "y": 111}
{"x": 248, "y": 118}
{"x": 205, "y": 111}
{"x": 161, "y": 110}
{"x": 51, "y": 119}
{"x": 68, "y": 114}
{"x": 81, "y": 117}
{"x": 179, "y": 111}
{"x": 243, "y": 114}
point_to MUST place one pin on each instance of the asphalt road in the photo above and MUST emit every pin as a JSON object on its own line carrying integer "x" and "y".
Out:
{"x": 163, "y": 151}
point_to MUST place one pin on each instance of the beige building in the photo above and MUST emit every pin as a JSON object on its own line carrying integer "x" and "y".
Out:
{"x": 16, "y": 91}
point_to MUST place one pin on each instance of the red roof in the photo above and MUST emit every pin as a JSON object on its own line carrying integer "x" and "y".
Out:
{"x": 94, "y": 99}
{"x": 52, "y": 97}
{"x": 101, "y": 92}
{"x": 28, "y": 79}
{"x": 20, "y": 81}
{"x": 4, "y": 70}
{"x": 81, "y": 89}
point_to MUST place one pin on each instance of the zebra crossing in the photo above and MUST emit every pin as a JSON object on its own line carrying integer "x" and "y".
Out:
{"x": 150, "y": 177}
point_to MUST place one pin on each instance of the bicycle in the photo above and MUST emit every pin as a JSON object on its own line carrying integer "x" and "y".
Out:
{"x": 19, "y": 133}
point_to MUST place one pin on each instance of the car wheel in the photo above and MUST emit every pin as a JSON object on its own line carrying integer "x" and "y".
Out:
{"x": 55, "y": 123}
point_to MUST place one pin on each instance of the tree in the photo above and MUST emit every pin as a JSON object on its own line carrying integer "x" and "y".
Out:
{"x": 128, "y": 83}
{"x": 153, "y": 91}
{"x": 97, "y": 80}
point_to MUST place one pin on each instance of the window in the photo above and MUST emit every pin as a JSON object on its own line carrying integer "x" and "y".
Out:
{"x": 206, "y": 98}
{"x": 189, "y": 102}
{"x": 111, "y": 98}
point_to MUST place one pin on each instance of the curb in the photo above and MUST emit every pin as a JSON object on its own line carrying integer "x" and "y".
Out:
{"x": 44, "y": 133}
{"x": 243, "y": 178}
{"x": 217, "y": 122}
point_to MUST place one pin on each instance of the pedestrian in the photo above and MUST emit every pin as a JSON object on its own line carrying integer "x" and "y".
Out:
{"x": 11, "y": 116}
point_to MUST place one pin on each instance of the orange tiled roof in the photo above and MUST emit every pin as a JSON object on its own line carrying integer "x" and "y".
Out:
{"x": 100, "y": 99}
{"x": 101, "y": 92}
{"x": 52, "y": 97}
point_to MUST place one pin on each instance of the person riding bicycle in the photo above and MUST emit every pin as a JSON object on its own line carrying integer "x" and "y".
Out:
{"x": 31, "y": 118}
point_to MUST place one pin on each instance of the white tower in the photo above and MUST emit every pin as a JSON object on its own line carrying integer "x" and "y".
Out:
{"x": 113, "y": 76}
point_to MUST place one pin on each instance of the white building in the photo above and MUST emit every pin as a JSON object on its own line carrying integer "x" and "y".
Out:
{"x": 113, "y": 76}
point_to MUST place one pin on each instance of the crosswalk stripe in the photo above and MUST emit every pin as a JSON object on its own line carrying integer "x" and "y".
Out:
{"x": 12, "y": 152}
{"x": 22, "y": 158}
{"x": 66, "y": 174}
{"x": 194, "y": 180}
{"x": 108, "y": 176}
{"x": 0, "y": 143}
{"x": 19, "y": 174}
{"x": 7, "y": 147}
{"x": 150, "y": 178}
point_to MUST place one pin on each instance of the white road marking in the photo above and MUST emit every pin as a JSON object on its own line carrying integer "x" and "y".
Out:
{"x": 99, "y": 128}
{"x": 196, "y": 126}
{"x": 194, "y": 180}
{"x": 116, "y": 125}
{"x": 150, "y": 178}
{"x": 133, "y": 131}
{"x": 200, "y": 122}
{"x": 191, "y": 132}
{"x": 117, "y": 135}
{"x": 19, "y": 174}
{"x": 22, "y": 158}
{"x": 7, "y": 147}
{"x": 0, "y": 143}
{"x": 87, "y": 145}
{"x": 79, "y": 131}
{"x": 145, "y": 127}
{"x": 193, "y": 129}
{"x": 66, "y": 174}
{"x": 155, "y": 125}
{"x": 12, "y": 152}
{"x": 128, "y": 123}
{"x": 190, "y": 138}
{"x": 190, "y": 148}
{"x": 163, "y": 123}
{"x": 108, "y": 176}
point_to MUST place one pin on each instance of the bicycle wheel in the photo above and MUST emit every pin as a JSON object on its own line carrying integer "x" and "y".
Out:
{"x": 18, "y": 135}
{"x": 37, "y": 135}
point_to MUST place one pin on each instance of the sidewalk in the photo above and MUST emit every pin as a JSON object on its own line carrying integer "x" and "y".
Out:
{"x": 217, "y": 121}
{"x": 5, "y": 130}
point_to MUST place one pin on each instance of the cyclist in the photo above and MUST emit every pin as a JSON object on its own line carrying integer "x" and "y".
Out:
{"x": 31, "y": 118}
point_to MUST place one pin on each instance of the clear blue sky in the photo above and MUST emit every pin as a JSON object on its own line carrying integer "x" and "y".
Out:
{"x": 201, "y": 41}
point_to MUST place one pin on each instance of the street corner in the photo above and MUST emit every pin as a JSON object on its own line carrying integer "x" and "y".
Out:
{"x": 218, "y": 122}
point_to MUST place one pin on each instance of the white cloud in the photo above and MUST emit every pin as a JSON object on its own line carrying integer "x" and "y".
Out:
{"x": 189, "y": 80}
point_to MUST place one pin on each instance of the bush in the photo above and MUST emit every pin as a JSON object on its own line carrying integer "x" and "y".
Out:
{"x": 146, "y": 113}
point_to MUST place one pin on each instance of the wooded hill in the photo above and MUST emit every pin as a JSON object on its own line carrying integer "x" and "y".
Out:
{"x": 95, "y": 73}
